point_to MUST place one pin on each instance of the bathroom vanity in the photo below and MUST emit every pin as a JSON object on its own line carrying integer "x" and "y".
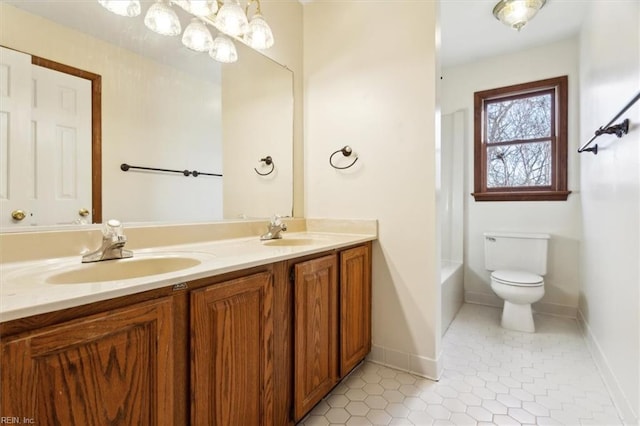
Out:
{"x": 260, "y": 342}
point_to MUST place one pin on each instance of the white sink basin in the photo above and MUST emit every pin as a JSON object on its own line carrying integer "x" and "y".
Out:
{"x": 142, "y": 264}
{"x": 122, "y": 269}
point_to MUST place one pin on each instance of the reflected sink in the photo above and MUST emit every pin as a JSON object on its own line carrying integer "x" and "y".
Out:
{"x": 285, "y": 242}
{"x": 122, "y": 269}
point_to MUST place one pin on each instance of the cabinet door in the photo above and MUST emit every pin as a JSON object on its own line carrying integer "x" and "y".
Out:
{"x": 355, "y": 307}
{"x": 232, "y": 352}
{"x": 114, "y": 368}
{"x": 315, "y": 332}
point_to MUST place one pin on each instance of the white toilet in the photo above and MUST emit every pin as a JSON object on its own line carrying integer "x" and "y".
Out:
{"x": 518, "y": 262}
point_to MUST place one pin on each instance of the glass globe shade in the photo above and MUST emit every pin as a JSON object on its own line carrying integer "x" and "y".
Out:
{"x": 223, "y": 50}
{"x": 231, "y": 19}
{"x": 197, "y": 36}
{"x": 161, "y": 19}
{"x": 129, "y": 8}
{"x": 259, "y": 34}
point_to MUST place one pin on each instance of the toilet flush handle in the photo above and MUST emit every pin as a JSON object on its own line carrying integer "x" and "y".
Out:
{"x": 493, "y": 240}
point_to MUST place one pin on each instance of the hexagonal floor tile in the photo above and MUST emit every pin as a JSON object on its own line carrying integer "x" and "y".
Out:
{"x": 491, "y": 376}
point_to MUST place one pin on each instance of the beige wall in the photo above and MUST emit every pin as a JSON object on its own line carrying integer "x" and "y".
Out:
{"x": 561, "y": 219}
{"x": 610, "y": 256}
{"x": 375, "y": 90}
{"x": 153, "y": 115}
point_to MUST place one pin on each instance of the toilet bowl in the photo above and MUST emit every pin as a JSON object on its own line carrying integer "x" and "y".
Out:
{"x": 518, "y": 289}
{"x": 517, "y": 262}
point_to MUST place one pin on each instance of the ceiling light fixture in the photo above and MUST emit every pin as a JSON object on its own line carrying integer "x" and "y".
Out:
{"x": 197, "y": 36}
{"x": 128, "y": 8}
{"x": 227, "y": 16}
{"x": 223, "y": 50}
{"x": 258, "y": 35}
{"x": 161, "y": 19}
{"x": 516, "y": 13}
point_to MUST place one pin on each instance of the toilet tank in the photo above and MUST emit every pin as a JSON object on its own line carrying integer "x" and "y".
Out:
{"x": 526, "y": 252}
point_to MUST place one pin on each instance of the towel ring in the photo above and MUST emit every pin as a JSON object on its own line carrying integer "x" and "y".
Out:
{"x": 269, "y": 162}
{"x": 346, "y": 151}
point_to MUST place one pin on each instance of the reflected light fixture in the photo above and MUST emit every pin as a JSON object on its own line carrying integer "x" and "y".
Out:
{"x": 516, "y": 13}
{"x": 228, "y": 17}
{"x": 128, "y": 8}
{"x": 161, "y": 19}
{"x": 197, "y": 36}
{"x": 259, "y": 34}
{"x": 223, "y": 50}
{"x": 198, "y": 8}
{"x": 231, "y": 19}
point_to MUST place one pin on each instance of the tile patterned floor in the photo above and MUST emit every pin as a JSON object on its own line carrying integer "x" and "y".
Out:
{"x": 492, "y": 376}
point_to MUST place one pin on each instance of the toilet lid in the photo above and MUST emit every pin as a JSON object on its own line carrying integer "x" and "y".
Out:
{"x": 517, "y": 277}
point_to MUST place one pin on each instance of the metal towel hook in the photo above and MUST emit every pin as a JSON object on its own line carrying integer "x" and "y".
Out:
{"x": 346, "y": 151}
{"x": 269, "y": 162}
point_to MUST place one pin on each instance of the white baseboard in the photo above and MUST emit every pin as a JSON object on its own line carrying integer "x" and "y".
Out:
{"x": 415, "y": 364}
{"x": 619, "y": 399}
{"x": 539, "y": 307}
{"x": 483, "y": 299}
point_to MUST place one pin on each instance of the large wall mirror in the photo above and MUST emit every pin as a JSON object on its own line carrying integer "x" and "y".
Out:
{"x": 162, "y": 106}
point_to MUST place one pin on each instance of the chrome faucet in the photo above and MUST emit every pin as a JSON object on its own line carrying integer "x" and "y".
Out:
{"x": 113, "y": 241}
{"x": 276, "y": 226}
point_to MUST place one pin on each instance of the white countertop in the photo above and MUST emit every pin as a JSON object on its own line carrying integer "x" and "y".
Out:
{"x": 24, "y": 290}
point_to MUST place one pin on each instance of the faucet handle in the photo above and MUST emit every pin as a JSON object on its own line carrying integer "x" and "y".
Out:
{"x": 275, "y": 220}
{"x": 112, "y": 228}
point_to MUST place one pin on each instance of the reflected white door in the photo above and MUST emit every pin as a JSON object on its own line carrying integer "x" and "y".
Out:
{"x": 48, "y": 173}
{"x": 15, "y": 121}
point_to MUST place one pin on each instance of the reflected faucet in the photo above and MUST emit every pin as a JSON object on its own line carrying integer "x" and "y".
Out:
{"x": 113, "y": 241}
{"x": 276, "y": 226}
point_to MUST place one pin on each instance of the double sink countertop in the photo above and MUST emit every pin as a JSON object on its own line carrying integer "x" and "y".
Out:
{"x": 45, "y": 285}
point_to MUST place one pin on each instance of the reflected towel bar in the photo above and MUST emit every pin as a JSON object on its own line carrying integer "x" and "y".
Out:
{"x": 125, "y": 167}
{"x": 619, "y": 129}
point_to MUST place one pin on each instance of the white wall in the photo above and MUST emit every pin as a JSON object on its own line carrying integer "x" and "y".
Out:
{"x": 375, "y": 90}
{"x": 610, "y": 181}
{"x": 561, "y": 219}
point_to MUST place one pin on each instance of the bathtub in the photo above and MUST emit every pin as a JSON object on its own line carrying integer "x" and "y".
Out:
{"x": 452, "y": 291}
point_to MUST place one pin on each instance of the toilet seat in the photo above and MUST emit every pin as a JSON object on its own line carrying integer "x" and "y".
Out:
{"x": 517, "y": 278}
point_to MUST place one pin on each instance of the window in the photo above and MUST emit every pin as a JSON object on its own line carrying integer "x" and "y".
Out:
{"x": 520, "y": 142}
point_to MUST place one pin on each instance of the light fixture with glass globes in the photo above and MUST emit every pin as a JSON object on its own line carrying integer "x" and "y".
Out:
{"x": 516, "y": 13}
{"x": 162, "y": 19}
{"x": 128, "y": 8}
{"x": 228, "y": 17}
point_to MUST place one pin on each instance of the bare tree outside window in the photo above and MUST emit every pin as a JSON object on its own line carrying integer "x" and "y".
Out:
{"x": 521, "y": 142}
{"x": 520, "y": 163}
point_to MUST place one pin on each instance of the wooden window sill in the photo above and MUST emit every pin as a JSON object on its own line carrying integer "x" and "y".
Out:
{"x": 522, "y": 196}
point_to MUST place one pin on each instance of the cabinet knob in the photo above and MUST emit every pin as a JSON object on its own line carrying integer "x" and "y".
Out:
{"x": 83, "y": 212}
{"x": 18, "y": 215}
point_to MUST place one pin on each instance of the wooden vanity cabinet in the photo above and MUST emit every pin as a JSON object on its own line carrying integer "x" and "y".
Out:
{"x": 315, "y": 332}
{"x": 249, "y": 347}
{"x": 232, "y": 352}
{"x": 332, "y": 322}
{"x": 355, "y": 307}
{"x": 112, "y": 368}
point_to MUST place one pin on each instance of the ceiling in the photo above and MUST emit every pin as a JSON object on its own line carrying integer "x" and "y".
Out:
{"x": 470, "y": 32}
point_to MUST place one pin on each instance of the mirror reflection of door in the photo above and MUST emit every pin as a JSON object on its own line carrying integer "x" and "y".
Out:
{"x": 45, "y": 144}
